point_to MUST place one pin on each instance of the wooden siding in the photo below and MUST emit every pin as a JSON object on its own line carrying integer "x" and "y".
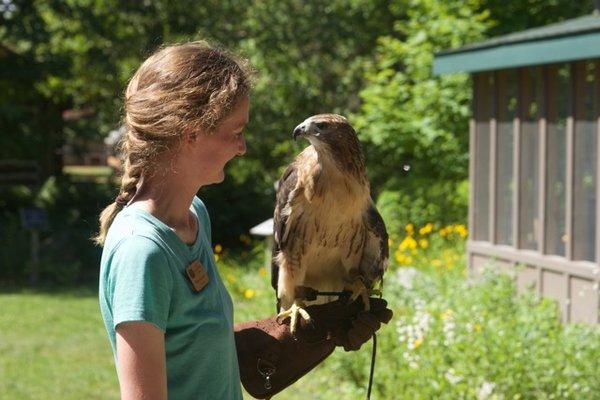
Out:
{"x": 573, "y": 283}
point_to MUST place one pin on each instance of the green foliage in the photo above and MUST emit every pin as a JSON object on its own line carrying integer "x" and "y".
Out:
{"x": 408, "y": 117}
{"x": 422, "y": 200}
{"x": 515, "y": 16}
{"x": 455, "y": 338}
{"x": 67, "y": 255}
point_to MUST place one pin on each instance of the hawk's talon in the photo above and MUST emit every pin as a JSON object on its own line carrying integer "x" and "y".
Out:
{"x": 293, "y": 312}
{"x": 358, "y": 288}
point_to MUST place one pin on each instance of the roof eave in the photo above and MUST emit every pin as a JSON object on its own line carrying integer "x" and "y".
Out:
{"x": 542, "y": 51}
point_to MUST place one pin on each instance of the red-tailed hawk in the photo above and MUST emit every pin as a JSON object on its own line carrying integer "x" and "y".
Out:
{"x": 328, "y": 234}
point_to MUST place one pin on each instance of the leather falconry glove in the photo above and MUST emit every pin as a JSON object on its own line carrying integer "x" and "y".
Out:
{"x": 271, "y": 358}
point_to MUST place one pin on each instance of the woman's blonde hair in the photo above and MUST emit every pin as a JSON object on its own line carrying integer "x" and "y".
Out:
{"x": 181, "y": 88}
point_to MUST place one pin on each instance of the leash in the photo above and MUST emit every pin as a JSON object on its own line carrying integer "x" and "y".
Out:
{"x": 311, "y": 294}
{"x": 372, "y": 372}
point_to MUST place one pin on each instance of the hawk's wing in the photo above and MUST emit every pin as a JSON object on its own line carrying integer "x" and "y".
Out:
{"x": 376, "y": 250}
{"x": 287, "y": 183}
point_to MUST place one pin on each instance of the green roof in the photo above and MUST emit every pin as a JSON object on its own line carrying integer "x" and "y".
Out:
{"x": 574, "y": 39}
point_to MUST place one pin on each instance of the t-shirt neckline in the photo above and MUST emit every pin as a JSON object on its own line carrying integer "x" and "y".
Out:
{"x": 192, "y": 248}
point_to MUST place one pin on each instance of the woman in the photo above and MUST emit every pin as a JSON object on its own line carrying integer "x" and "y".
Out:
{"x": 168, "y": 315}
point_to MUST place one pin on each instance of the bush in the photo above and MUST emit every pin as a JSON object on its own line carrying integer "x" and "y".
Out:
{"x": 455, "y": 338}
{"x": 67, "y": 255}
{"x": 423, "y": 201}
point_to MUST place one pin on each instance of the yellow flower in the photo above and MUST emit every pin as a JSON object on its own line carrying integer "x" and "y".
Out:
{"x": 249, "y": 293}
{"x": 417, "y": 343}
{"x": 477, "y": 327}
{"x": 436, "y": 263}
{"x": 408, "y": 243}
{"x": 461, "y": 230}
{"x": 444, "y": 232}
{"x": 399, "y": 257}
{"x": 218, "y": 249}
{"x": 424, "y": 243}
{"x": 410, "y": 228}
{"x": 426, "y": 229}
{"x": 217, "y": 257}
{"x": 230, "y": 278}
{"x": 262, "y": 271}
{"x": 402, "y": 259}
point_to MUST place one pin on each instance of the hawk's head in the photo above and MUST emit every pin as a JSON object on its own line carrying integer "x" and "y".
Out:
{"x": 333, "y": 136}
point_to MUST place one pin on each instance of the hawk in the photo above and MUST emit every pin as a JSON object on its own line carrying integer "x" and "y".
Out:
{"x": 328, "y": 234}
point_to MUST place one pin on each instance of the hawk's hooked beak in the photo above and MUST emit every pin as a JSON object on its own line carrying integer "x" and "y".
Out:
{"x": 300, "y": 130}
{"x": 306, "y": 128}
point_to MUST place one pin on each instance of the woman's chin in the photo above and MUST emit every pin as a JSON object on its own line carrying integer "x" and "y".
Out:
{"x": 220, "y": 177}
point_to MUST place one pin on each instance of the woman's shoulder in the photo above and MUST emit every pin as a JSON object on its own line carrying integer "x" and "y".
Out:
{"x": 133, "y": 232}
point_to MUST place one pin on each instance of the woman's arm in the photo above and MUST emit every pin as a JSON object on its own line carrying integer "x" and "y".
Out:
{"x": 141, "y": 361}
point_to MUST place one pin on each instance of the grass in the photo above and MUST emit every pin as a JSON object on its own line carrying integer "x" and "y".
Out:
{"x": 89, "y": 173}
{"x": 54, "y": 346}
{"x": 91, "y": 170}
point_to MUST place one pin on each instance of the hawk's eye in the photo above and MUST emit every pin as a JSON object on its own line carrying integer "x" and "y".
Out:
{"x": 321, "y": 125}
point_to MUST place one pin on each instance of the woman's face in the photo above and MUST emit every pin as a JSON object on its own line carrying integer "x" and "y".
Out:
{"x": 210, "y": 153}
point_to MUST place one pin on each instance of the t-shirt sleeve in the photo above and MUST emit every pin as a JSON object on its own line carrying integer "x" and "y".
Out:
{"x": 141, "y": 282}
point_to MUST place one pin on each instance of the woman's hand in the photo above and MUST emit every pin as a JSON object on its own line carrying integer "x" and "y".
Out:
{"x": 141, "y": 361}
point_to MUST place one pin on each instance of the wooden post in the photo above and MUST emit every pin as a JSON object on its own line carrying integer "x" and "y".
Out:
{"x": 570, "y": 165}
{"x": 34, "y": 275}
{"x": 541, "y": 228}
{"x": 493, "y": 160}
{"x": 516, "y": 195}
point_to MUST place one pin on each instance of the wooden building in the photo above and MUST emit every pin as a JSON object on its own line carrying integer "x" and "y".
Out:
{"x": 534, "y": 161}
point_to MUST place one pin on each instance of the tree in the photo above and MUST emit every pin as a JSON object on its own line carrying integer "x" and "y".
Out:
{"x": 415, "y": 124}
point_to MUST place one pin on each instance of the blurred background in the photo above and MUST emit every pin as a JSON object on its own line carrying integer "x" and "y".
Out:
{"x": 64, "y": 65}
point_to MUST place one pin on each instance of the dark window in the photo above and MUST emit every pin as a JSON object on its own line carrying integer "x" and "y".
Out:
{"x": 559, "y": 93}
{"x": 584, "y": 157}
{"x": 507, "y": 112}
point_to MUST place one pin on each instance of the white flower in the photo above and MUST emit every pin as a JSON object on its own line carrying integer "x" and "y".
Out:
{"x": 485, "y": 390}
{"x": 448, "y": 329}
{"x": 452, "y": 377}
{"x": 412, "y": 330}
{"x": 406, "y": 276}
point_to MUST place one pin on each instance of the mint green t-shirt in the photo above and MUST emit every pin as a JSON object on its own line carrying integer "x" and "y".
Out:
{"x": 143, "y": 278}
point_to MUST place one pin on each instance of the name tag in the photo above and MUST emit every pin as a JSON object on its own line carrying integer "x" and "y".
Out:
{"x": 197, "y": 275}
